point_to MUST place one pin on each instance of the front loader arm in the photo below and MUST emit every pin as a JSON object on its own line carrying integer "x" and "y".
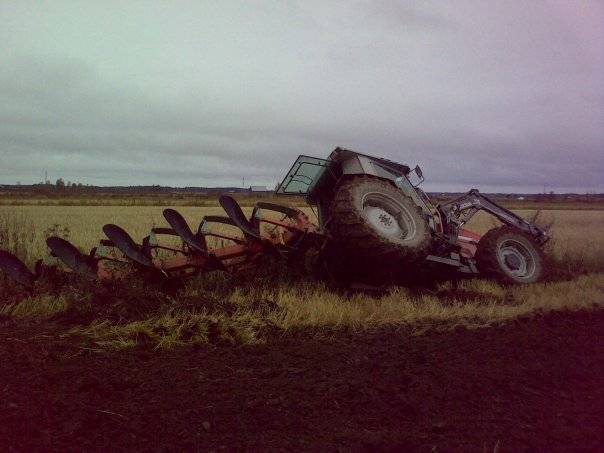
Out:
{"x": 459, "y": 211}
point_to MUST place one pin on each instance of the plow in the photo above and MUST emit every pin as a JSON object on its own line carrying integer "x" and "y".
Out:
{"x": 374, "y": 225}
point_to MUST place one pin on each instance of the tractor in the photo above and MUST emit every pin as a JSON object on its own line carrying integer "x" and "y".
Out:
{"x": 381, "y": 222}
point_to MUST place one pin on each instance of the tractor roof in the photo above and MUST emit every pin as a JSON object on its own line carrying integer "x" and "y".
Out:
{"x": 341, "y": 154}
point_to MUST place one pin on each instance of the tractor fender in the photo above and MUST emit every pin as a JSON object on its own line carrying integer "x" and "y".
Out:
{"x": 361, "y": 165}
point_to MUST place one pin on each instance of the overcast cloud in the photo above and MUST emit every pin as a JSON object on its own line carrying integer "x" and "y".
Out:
{"x": 503, "y": 95}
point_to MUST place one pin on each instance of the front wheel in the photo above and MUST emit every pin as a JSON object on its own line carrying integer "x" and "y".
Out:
{"x": 510, "y": 256}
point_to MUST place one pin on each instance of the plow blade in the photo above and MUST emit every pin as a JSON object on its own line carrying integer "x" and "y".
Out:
{"x": 16, "y": 269}
{"x": 127, "y": 246}
{"x": 71, "y": 257}
{"x": 180, "y": 226}
{"x": 233, "y": 210}
{"x": 289, "y": 212}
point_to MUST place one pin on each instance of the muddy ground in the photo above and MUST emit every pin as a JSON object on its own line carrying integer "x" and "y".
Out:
{"x": 533, "y": 384}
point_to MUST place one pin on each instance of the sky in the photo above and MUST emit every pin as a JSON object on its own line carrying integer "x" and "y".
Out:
{"x": 501, "y": 96}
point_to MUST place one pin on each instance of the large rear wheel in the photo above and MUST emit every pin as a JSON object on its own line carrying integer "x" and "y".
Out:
{"x": 378, "y": 227}
{"x": 510, "y": 256}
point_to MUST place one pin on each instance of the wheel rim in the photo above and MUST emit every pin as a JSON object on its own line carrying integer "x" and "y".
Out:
{"x": 388, "y": 216}
{"x": 516, "y": 259}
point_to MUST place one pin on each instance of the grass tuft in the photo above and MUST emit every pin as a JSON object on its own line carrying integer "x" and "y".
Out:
{"x": 42, "y": 306}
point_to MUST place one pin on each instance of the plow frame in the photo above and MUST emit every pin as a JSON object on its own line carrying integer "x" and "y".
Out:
{"x": 286, "y": 236}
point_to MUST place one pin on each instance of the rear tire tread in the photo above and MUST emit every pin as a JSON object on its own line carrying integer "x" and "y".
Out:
{"x": 354, "y": 234}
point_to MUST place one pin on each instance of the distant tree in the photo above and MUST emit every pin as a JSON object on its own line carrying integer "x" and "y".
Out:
{"x": 60, "y": 184}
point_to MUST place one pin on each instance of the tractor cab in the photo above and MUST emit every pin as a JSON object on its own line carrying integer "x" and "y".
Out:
{"x": 316, "y": 179}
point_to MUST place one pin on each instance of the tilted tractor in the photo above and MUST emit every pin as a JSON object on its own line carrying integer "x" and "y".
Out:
{"x": 375, "y": 225}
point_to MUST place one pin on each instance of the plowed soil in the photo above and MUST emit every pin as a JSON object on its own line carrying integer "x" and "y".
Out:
{"x": 532, "y": 384}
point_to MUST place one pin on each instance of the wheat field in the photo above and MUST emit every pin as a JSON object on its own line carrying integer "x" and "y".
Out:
{"x": 579, "y": 233}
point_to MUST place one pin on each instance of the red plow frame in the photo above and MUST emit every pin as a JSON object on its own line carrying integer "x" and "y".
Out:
{"x": 290, "y": 235}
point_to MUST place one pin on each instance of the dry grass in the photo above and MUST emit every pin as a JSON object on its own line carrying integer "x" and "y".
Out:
{"x": 491, "y": 304}
{"x": 42, "y": 306}
{"x": 208, "y": 310}
{"x": 245, "y": 313}
{"x": 17, "y": 234}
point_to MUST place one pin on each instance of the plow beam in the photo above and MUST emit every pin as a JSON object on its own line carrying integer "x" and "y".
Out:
{"x": 289, "y": 212}
{"x": 205, "y": 230}
{"x": 71, "y": 257}
{"x": 300, "y": 219}
{"x": 16, "y": 269}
